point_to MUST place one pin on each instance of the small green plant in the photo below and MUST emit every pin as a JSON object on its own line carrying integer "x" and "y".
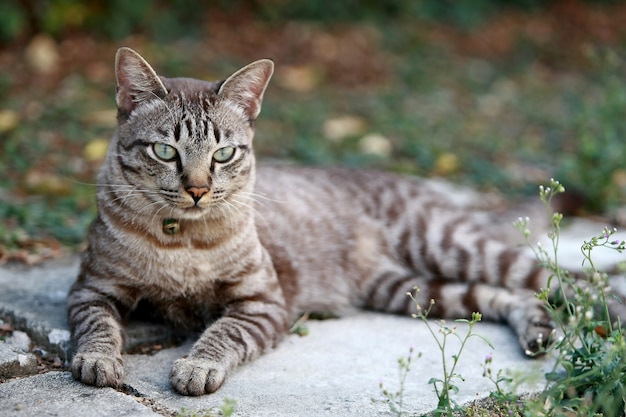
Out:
{"x": 445, "y": 386}
{"x": 395, "y": 400}
{"x": 499, "y": 380}
{"x": 589, "y": 373}
{"x": 504, "y": 397}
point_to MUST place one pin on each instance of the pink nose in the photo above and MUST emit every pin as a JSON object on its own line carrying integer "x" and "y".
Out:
{"x": 197, "y": 192}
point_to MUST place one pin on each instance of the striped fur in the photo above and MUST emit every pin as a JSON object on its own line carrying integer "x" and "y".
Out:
{"x": 243, "y": 260}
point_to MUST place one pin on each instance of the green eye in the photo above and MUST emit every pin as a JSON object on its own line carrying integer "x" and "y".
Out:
{"x": 224, "y": 154}
{"x": 164, "y": 151}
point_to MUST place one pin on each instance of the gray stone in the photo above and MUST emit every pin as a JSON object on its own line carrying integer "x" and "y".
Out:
{"x": 15, "y": 362}
{"x": 33, "y": 299}
{"x": 19, "y": 340}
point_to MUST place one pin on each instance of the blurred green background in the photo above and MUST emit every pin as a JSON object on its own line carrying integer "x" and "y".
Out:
{"x": 498, "y": 95}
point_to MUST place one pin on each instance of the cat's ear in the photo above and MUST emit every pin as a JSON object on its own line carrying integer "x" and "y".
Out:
{"x": 136, "y": 80}
{"x": 246, "y": 87}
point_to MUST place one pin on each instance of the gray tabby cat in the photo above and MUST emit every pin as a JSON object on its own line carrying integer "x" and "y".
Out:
{"x": 179, "y": 230}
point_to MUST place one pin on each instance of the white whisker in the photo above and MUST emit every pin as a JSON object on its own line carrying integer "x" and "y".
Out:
{"x": 249, "y": 206}
{"x": 143, "y": 209}
{"x": 156, "y": 213}
{"x": 233, "y": 211}
{"x": 253, "y": 196}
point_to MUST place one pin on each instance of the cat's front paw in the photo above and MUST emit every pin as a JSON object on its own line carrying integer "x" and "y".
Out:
{"x": 192, "y": 376}
{"x": 98, "y": 369}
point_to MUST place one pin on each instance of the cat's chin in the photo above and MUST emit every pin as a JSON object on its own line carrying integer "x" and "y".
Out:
{"x": 192, "y": 213}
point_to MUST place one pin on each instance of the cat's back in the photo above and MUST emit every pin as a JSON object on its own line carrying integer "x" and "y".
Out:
{"x": 348, "y": 194}
{"x": 329, "y": 230}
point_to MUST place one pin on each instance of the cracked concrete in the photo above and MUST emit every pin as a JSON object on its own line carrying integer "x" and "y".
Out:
{"x": 333, "y": 371}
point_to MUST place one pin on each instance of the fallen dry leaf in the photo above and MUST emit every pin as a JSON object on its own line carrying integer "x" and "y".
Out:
{"x": 104, "y": 118}
{"x": 446, "y": 164}
{"x": 47, "y": 184}
{"x": 342, "y": 127}
{"x": 301, "y": 79}
{"x": 8, "y": 120}
{"x": 96, "y": 150}
{"x": 376, "y": 144}
{"x": 42, "y": 54}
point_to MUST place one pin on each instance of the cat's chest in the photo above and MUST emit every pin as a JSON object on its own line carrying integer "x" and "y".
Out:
{"x": 181, "y": 272}
{"x": 184, "y": 264}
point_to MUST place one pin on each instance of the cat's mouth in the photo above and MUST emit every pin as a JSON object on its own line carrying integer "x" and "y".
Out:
{"x": 193, "y": 211}
{"x": 196, "y": 209}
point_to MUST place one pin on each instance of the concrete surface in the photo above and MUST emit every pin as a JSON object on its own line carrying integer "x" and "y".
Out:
{"x": 333, "y": 371}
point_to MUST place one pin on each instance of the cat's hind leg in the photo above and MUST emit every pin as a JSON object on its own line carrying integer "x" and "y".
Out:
{"x": 519, "y": 308}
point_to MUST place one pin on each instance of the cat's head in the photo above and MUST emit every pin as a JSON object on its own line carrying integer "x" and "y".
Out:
{"x": 184, "y": 145}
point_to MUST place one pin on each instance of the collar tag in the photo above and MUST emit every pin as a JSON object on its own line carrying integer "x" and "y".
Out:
{"x": 171, "y": 226}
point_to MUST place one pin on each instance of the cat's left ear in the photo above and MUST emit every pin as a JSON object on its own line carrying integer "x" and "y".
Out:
{"x": 247, "y": 86}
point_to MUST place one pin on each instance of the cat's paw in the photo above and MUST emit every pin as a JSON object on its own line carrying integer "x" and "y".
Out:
{"x": 193, "y": 376}
{"x": 537, "y": 337}
{"x": 98, "y": 369}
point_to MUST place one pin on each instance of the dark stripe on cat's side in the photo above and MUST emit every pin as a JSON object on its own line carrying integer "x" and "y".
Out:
{"x": 463, "y": 258}
{"x": 434, "y": 291}
{"x": 403, "y": 247}
{"x": 536, "y": 279}
{"x": 397, "y": 294}
{"x": 470, "y": 300}
{"x": 376, "y": 289}
{"x": 505, "y": 260}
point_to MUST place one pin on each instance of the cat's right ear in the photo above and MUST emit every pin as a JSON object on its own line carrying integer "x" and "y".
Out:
{"x": 137, "y": 82}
